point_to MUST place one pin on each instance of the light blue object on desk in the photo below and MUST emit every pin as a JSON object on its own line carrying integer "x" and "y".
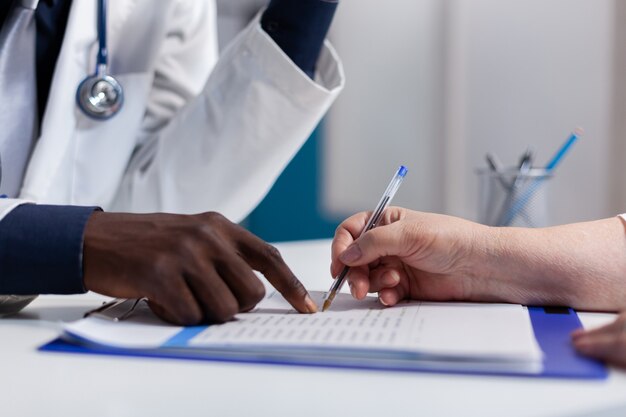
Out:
{"x": 520, "y": 203}
{"x": 500, "y": 190}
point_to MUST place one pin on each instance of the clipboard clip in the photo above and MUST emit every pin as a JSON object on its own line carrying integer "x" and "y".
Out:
{"x": 117, "y": 310}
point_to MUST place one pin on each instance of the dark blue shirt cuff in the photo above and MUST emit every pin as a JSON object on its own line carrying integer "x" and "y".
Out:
{"x": 299, "y": 27}
{"x": 41, "y": 249}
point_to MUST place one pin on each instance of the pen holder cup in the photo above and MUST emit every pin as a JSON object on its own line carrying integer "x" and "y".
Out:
{"x": 513, "y": 198}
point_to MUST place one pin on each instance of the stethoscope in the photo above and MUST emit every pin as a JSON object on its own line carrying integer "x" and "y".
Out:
{"x": 100, "y": 96}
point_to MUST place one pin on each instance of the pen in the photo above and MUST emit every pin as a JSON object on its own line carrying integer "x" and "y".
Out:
{"x": 525, "y": 164}
{"x": 578, "y": 132}
{"x": 372, "y": 222}
{"x": 496, "y": 167}
{"x": 493, "y": 162}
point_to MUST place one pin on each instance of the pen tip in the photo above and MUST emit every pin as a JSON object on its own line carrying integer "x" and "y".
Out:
{"x": 326, "y": 305}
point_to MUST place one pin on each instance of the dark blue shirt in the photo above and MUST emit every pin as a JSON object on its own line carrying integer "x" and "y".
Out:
{"x": 41, "y": 246}
{"x": 41, "y": 250}
{"x": 299, "y": 27}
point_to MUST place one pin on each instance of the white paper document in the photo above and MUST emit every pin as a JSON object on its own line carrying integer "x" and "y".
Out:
{"x": 475, "y": 336}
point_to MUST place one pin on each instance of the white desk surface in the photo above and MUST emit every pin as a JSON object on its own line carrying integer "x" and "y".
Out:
{"x": 34, "y": 383}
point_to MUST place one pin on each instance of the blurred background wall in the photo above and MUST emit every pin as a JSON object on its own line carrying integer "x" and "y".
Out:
{"x": 435, "y": 84}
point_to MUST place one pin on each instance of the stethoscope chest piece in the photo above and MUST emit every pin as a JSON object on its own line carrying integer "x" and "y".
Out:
{"x": 100, "y": 96}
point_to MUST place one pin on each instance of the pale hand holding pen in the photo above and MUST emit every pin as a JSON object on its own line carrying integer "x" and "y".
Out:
{"x": 432, "y": 257}
{"x": 372, "y": 222}
{"x": 410, "y": 255}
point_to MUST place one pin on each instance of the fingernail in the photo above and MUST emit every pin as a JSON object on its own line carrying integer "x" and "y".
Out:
{"x": 351, "y": 254}
{"x": 310, "y": 304}
{"x": 352, "y": 289}
{"x": 382, "y": 301}
{"x": 391, "y": 278}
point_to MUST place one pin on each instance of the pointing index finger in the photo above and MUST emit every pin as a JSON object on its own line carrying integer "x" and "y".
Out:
{"x": 266, "y": 259}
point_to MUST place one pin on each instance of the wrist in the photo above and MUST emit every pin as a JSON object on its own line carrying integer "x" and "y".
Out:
{"x": 521, "y": 265}
{"x": 501, "y": 265}
{"x": 486, "y": 256}
{"x": 87, "y": 260}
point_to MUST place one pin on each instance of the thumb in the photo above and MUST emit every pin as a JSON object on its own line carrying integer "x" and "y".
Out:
{"x": 374, "y": 244}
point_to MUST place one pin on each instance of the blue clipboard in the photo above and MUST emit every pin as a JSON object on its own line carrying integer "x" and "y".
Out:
{"x": 552, "y": 327}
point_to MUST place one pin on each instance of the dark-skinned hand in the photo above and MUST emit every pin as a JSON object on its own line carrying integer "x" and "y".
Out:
{"x": 192, "y": 268}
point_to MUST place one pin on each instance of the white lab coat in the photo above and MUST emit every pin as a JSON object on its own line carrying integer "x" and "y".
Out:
{"x": 195, "y": 133}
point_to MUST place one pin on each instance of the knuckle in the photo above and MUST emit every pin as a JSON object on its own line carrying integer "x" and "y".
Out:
{"x": 272, "y": 253}
{"x": 203, "y": 227}
{"x": 173, "y": 318}
{"x": 205, "y": 238}
{"x": 224, "y": 311}
{"x": 175, "y": 311}
{"x": 190, "y": 317}
{"x": 255, "y": 294}
{"x": 214, "y": 217}
{"x": 293, "y": 286}
{"x": 203, "y": 231}
{"x": 196, "y": 318}
{"x": 259, "y": 293}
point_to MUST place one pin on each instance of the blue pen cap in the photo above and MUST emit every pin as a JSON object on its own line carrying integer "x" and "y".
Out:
{"x": 402, "y": 171}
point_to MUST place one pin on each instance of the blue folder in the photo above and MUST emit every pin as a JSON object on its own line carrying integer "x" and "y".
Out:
{"x": 552, "y": 327}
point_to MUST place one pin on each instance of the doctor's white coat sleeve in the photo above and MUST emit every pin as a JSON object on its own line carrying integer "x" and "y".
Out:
{"x": 225, "y": 148}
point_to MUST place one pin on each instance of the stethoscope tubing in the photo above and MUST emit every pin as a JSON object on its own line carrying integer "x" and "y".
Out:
{"x": 90, "y": 92}
{"x": 103, "y": 58}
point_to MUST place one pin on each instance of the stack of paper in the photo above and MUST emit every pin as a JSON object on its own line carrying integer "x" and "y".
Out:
{"x": 412, "y": 335}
